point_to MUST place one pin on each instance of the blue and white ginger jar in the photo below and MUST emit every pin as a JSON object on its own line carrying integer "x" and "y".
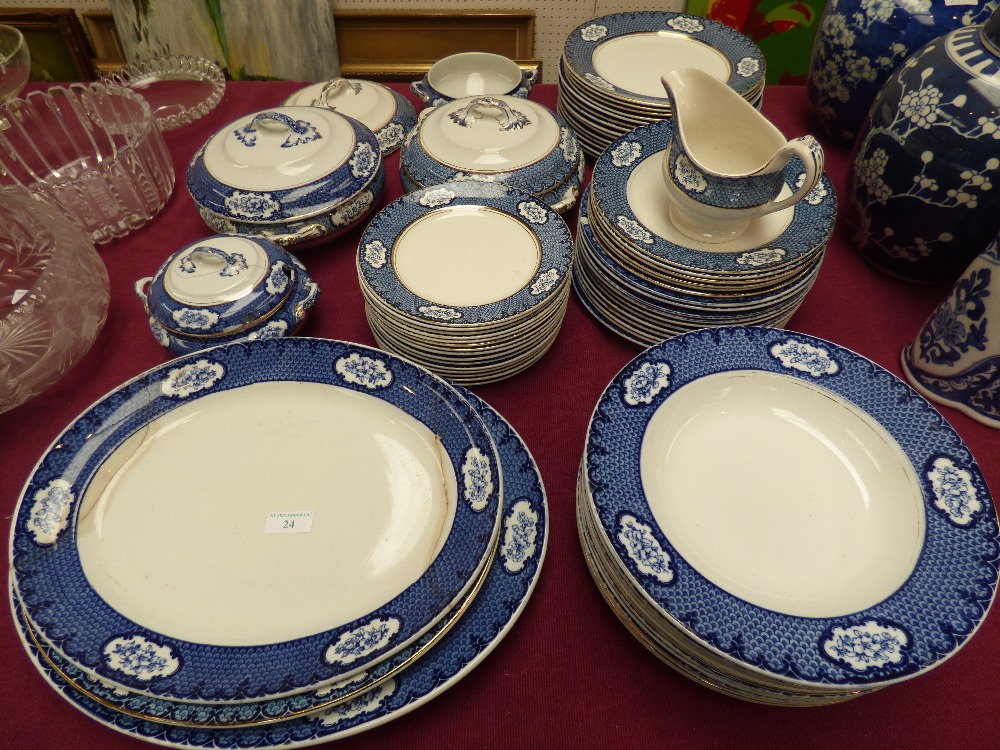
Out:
{"x": 859, "y": 43}
{"x": 922, "y": 202}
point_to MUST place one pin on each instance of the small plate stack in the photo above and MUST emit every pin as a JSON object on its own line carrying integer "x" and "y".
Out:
{"x": 610, "y": 69}
{"x": 782, "y": 520}
{"x": 645, "y": 280}
{"x": 469, "y": 279}
{"x": 137, "y": 563}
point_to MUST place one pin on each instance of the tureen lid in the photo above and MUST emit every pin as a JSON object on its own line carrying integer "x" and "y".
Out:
{"x": 489, "y": 134}
{"x": 282, "y": 164}
{"x": 365, "y": 101}
{"x": 221, "y": 285}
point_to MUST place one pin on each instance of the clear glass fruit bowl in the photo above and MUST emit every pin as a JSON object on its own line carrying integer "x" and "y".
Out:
{"x": 92, "y": 151}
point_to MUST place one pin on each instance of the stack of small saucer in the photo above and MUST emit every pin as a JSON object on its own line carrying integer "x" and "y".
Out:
{"x": 610, "y": 69}
{"x": 469, "y": 279}
{"x": 645, "y": 280}
{"x": 764, "y": 516}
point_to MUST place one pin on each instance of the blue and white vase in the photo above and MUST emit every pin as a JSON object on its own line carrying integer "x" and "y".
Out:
{"x": 922, "y": 202}
{"x": 955, "y": 358}
{"x": 859, "y": 43}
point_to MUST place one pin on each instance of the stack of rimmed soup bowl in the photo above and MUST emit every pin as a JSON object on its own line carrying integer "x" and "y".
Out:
{"x": 609, "y": 72}
{"x": 782, "y": 520}
{"x": 469, "y": 279}
{"x": 224, "y": 551}
{"x": 726, "y": 225}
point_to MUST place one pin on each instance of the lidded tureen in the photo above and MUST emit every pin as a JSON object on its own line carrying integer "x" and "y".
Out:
{"x": 495, "y": 139}
{"x": 389, "y": 114}
{"x": 288, "y": 174}
{"x": 224, "y": 288}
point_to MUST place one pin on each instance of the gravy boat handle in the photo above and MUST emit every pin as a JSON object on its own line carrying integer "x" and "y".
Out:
{"x": 810, "y": 152}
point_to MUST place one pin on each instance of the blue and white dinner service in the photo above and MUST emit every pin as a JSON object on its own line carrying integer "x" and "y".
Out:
{"x": 289, "y": 174}
{"x": 610, "y": 69}
{"x": 131, "y": 629}
{"x": 865, "y": 562}
{"x": 470, "y": 279}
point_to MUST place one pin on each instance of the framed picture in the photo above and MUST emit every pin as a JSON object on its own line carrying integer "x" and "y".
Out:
{"x": 59, "y": 48}
{"x": 108, "y": 52}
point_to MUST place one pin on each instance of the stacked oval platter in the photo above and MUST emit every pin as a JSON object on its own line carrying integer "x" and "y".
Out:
{"x": 783, "y": 520}
{"x": 469, "y": 279}
{"x": 610, "y": 69}
{"x": 227, "y": 595}
{"x": 644, "y": 279}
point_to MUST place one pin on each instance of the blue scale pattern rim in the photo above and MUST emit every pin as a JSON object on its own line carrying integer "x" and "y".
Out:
{"x": 344, "y": 181}
{"x": 377, "y": 245}
{"x": 807, "y": 233}
{"x": 931, "y": 615}
{"x": 509, "y": 584}
{"x": 579, "y": 49}
{"x": 73, "y": 618}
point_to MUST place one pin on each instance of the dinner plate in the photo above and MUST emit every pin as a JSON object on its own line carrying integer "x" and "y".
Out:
{"x": 794, "y": 508}
{"x": 465, "y": 253}
{"x": 626, "y": 53}
{"x": 203, "y": 532}
{"x": 629, "y": 190}
{"x": 508, "y": 585}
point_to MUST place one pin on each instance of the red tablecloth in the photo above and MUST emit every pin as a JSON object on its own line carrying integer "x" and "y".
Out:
{"x": 568, "y": 675}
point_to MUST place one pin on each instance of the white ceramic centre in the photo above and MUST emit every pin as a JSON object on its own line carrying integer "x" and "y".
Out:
{"x": 635, "y": 62}
{"x": 369, "y": 102}
{"x": 200, "y": 277}
{"x": 171, "y": 532}
{"x": 782, "y": 493}
{"x": 474, "y": 74}
{"x": 484, "y": 146}
{"x": 466, "y": 256}
{"x": 649, "y": 200}
{"x": 272, "y": 163}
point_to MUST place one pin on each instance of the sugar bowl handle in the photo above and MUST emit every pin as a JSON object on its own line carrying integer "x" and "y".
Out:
{"x": 509, "y": 119}
{"x": 140, "y": 291}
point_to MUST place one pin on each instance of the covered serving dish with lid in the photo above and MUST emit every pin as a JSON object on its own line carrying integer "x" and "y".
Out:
{"x": 225, "y": 288}
{"x": 288, "y": 174}
{"x": 495, "y": 139}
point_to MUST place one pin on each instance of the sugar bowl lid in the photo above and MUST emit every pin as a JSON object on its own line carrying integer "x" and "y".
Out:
{"x": 489, "y": 134}
{"x": 282, "y": 164}
{"x": 221, "y": 285}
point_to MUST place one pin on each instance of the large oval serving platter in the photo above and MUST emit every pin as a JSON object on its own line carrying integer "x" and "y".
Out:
{"x": 793, "y": 507}
{"x": 510, "y": 580}
{"x": 256, "y": 520}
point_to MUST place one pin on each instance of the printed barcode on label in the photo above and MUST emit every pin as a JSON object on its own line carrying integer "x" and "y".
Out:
{"x": 289, "y": 522}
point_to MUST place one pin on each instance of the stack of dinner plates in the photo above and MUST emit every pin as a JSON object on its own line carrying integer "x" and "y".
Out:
{"x": 782, "y": 520}
{"x": 610, "y": 69}
{"x": 645, "y": 280}
{"x": 469, "y": 279}
{"x": 224, "y": 551}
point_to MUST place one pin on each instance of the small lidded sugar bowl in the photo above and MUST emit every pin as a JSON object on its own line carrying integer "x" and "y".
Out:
{"x": 495, "y": 139}
{"x": 289, "y": 174}
{"x": 225, "y": 288}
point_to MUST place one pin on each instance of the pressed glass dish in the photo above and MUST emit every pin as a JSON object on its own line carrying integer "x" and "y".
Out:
{"x": 179, "y": 88}
{"x": 54, "y": 294}
{"x": 90, "y": 150}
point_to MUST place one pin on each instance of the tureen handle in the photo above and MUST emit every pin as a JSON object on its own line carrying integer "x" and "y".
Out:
{"x": 140, "y": 291}
{"x": 301, "y": 131}
{"x": 234, "y": 262}
{"x": 514, "y": 119}
{"x": 323, "y": 100}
